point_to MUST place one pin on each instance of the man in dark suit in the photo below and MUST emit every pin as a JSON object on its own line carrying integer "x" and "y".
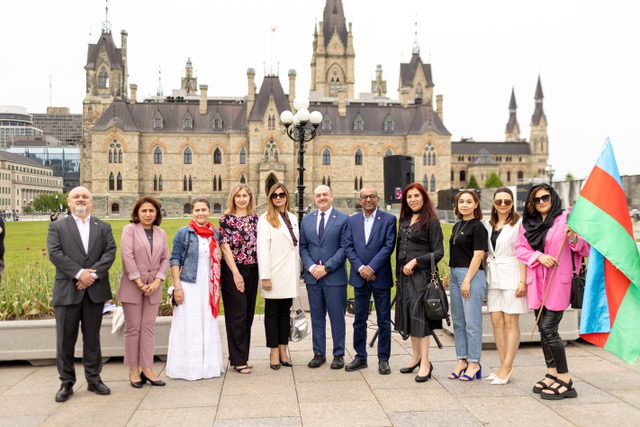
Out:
{"x": 371, "y": 237}
{"x": 325, "y": 273}
{"x": 82, "y": 249}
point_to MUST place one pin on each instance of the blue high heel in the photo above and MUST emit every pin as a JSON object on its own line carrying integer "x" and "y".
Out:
{"x": 477, "y": 375}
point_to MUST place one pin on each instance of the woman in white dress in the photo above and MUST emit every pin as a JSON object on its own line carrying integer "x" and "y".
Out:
{"x": 194, "y": 350}
{"x": 506, "y": 282}
{"x": 279, "y": 267}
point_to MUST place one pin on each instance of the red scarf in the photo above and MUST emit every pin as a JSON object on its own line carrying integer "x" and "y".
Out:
{"x": 208, "y": 231}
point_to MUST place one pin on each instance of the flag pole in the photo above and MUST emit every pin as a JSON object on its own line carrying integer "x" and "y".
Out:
{"x": 548, "y": 285}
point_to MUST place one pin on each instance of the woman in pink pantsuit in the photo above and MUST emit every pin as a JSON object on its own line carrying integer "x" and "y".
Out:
{"x": 145, "y": 261}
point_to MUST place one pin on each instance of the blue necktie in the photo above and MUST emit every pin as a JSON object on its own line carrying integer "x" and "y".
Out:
{"x": 321, "y": 227}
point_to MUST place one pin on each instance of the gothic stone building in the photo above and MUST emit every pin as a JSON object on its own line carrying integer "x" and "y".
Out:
{"x": 175, "y": 148}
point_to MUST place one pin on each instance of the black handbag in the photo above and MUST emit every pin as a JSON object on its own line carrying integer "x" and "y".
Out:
{"x": 434, "y": 297}
{"x": 577, "y": 284}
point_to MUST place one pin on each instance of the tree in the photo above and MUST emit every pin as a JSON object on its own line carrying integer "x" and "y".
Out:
{"x": 569, "y": 177}
{"x": 48, "y": 202}
{"x": 493, "y": 181}
{"x": 473, "y": 182}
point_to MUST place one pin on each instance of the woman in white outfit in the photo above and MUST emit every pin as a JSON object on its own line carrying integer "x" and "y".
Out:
{"x": 506, "y": 282}
{"x": 194, "y": 350}
{"x": 279, "y": 268}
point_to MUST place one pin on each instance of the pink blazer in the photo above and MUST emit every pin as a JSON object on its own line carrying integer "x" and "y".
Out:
{"x": 538, "y": 275}
{"x": 138, "y": 261}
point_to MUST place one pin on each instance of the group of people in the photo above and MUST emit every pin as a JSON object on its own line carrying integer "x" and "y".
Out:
{"x": 247, "y": 253}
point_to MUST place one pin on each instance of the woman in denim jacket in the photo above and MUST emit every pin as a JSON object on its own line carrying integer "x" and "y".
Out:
{"x": 194, "y": 349}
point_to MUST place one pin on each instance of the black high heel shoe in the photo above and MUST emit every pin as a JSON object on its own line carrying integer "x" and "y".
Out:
{"x": 420, "y": 379}
{"x": 157, "y": 383}
{"x": 137, "y": 384}
{"x": 410, "y": 369}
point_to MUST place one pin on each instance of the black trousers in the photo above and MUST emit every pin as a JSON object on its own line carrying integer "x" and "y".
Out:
{"x": 552, "y": 346}
{"x": 68, "y": 319}
{"x": 276, "y": 321}
{"x": 239, "y": 308}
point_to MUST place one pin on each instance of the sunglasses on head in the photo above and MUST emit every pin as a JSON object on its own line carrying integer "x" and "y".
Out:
{"x": 278, "y": 196}
{"x": 506, "y": 202}
{"x": 543, "y": 199}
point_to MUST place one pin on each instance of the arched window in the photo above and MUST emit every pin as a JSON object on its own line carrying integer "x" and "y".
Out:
{"x": 103, "y": 79}
{"x": 186, "y": 208}
{"x": 157, "y": 156}
{"x": 326, "y": 157}
{"x": 429, "y": 155}
{"x": 508, "y": 176}
{"x": 358, "y": 157}
{"x": 243, "y": 156}
{"x": 115, "y": 208}
{"x": 217, "y": 207}
{"x": 388, "y": 153}
{"x": 155, "y": 183}
{"x": 187, "y": 156}
{"x": 110, "y": 157}
{"x": 360, "y": 188}
{"x": 184, "y": 183}
{"x": 429, "y": 159}
{"x": 219, "y": 182}
{"x": 329, "y": 181}
{"x": 418, "y": 98}
{"x": 217, "y": 157}
{"x": 355, "y": 183}
{"x": 463, "y": 177}
{"x": 324, "y": 181}
{"x": 119, "y": 182}
{"x": 190, "y": 183}
{"x": 112, "y": 182}
{"x": 119, "y": 156}
{"x": 520, "y": 176}
{"x": 425, "y": 182}
{"x": 334, "y": 84}
{"x": 160, "y": 183}
{"x": 266, "y": 156}
{"x": 432, "y": 183}
{"x": 424, "y": 159}
{"x": 106, "y": 81}
{"x": 215, "y": 183}
{"x": 242, "y": 180}
{"x": 433, "y": 159}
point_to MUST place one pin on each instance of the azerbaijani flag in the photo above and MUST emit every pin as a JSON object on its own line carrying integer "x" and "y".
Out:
{"x": 611, "y": 305}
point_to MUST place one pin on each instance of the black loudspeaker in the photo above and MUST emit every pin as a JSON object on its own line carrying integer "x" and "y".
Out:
{"x": 398, "y": 173}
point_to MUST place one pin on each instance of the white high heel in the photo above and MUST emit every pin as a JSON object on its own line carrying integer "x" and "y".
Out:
{"x": 491, "y": 376}
{"x": 498, "y": 381}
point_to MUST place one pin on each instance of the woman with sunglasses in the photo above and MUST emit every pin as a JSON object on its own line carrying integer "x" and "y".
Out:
{"x": 506, "y": 278}
{"x": 279, "y": 268}
{"x": 542, "y": 247}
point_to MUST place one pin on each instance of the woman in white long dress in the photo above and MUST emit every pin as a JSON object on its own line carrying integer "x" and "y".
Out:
{"x": 506, "y": 279}
{"x": 194, "y": 350}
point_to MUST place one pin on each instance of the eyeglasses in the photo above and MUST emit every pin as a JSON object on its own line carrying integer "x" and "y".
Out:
{"x": 506, "y": 202}
{"x": 543, "y": 199}
{"x": 278, "y": 196}
{"x": 369, "y": 196}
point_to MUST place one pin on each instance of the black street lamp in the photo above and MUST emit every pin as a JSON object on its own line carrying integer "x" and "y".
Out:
{"x": 550, "y": 172}
{"x": 301, "y": 128}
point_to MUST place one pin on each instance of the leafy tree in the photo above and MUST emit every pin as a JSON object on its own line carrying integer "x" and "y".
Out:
{"x": 569, "y": 177}
{"x": 493, "y": 180}
{"x": 48, "y": 202}
{"x": 473, "y": 182}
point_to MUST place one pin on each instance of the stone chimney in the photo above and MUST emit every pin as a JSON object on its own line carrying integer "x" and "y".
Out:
{"x": 439, "y": 106}
{"x": 203, "y": 99}
{"x": 134, "y": 91}
{"x": 404, "y": 97}
{"x": 342, "y": 101}
{"x": 251, "y": 92}
{"x": 292, "y": 88}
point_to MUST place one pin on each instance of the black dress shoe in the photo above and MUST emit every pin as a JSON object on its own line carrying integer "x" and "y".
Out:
{"x": 383, "y": 367}
{"x": 157, "y": 383}
{"x": 64, "y": 393}
{"x": 274, "y": 367}
{"x": 288, "y": 364}
{"x": 98, "y": 387}
{"x": 420, "y": 379}
{"x": 410, "y": 369}
{"x": 338, "y": 362}
{"x": 356, "y": 364}
{"x": 136, "y": 384}
{"x": 318, "y": 359}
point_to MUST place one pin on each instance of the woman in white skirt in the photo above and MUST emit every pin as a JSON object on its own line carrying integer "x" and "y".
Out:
{"x": 194, "y": 350}
{"x": 506, "y": 282}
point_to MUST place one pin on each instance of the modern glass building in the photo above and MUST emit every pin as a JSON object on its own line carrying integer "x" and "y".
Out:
{"x": 64, "y": 160}
{"x": 15, "y": 121}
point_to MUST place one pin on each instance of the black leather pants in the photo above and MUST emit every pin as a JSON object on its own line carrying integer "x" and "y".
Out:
{"x": 552, "y": 346}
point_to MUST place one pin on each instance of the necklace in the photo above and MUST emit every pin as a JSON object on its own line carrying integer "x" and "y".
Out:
{"x": 460, "y": 229}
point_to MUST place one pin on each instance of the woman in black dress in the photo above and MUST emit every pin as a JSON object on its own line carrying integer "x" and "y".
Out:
{"x": 419, "y": 236}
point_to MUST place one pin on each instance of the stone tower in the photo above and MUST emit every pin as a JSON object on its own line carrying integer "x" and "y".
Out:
{"x": 189, "y": 83}
{"x": 416, "y": 84}
{"x": 512, "y": 132}
{"x": 106, "y": 80}
{"x": 332, "y": 62}
{"x": 539, "y": 140}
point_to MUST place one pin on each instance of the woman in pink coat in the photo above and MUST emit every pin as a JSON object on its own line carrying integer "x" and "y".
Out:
{"x": 145, "y": 261}
{"x": 544, "y": 228}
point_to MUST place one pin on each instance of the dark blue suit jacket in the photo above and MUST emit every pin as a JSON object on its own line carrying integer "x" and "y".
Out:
{"x": 329, "y": 251}
{"x": 376, "y": 253}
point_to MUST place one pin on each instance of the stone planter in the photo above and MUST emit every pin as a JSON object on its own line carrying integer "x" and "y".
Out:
{"x": 569, "y": 328}
{"x": 35, "y": 340}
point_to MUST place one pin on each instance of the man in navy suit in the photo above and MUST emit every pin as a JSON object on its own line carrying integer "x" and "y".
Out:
{"x": 371, "y": 237}
{"x": 325, "y": 274}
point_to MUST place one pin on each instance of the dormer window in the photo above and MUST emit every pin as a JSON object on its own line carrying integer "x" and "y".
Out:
{"x": 187, "y": 121}
{"x": 388, "y": 124}
{"x": 217, "y": 122}
{"x": 158, "y": 120}
{"x": 326, "y": 123}
{"x": 358, "y": 124}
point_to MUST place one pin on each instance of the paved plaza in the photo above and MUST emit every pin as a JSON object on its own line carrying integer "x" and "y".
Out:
{"x": 608, "y": 392}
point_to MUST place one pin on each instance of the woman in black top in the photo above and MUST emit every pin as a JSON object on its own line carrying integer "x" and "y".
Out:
{"x": 467, "y": 284}
{"x": 419, "y": 237}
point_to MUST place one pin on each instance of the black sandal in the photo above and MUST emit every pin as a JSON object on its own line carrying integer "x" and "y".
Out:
{"x": 543, "y": 384}
{"x": 242, "y": 369}
{"x": 556, "y": 395}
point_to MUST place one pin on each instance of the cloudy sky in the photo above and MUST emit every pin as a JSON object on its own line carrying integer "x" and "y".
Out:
{"x": 586, "y": 53}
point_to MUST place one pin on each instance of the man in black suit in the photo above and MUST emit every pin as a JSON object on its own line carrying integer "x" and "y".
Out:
{"x": 82, "y": 249}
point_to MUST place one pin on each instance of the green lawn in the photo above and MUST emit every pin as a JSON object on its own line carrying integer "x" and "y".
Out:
{"x": 28, "y": 277}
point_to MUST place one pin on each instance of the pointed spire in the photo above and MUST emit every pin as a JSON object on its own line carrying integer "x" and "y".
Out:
{"x": 512, "y": 132}
{"x": 334, "y": 20}
{"x": 416, "y": 46}
{"x": 539, "y": 95}
{"x": 512, "y": 103}
{"x": 106, "y": 25}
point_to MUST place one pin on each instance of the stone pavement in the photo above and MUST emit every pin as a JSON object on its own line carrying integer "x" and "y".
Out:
{"x": 608, "y": 393}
